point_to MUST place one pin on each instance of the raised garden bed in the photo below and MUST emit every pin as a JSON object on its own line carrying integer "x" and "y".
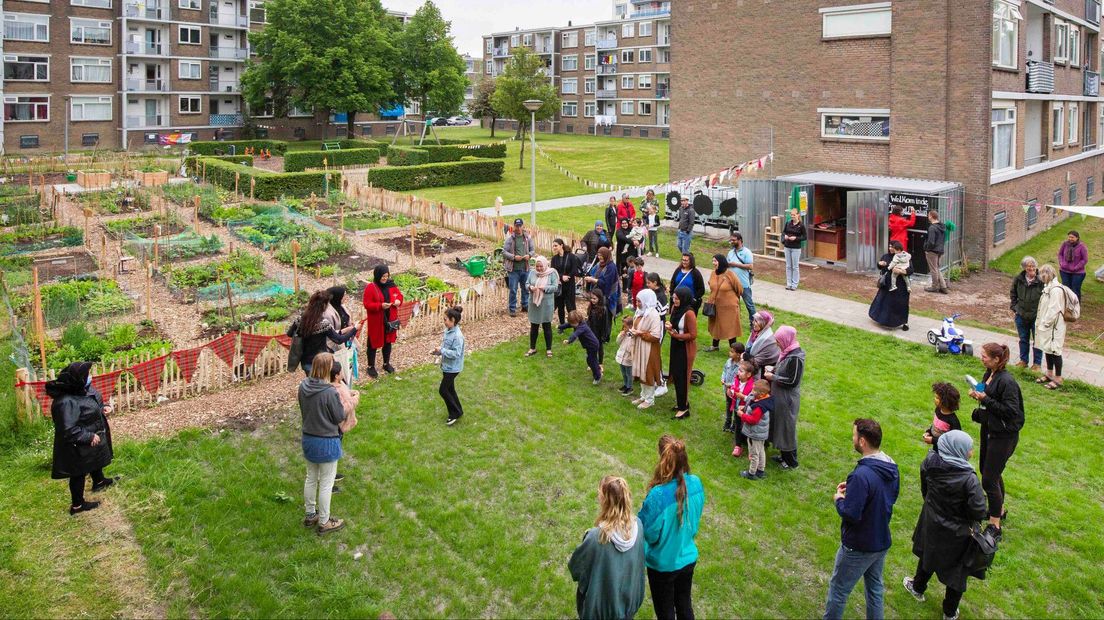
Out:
{"x": 427, "y": 243}
{"x": 67, "y": 265}
{"x": 94, "y": 179}
{"x": 78, "y": 299}
{"x": 151, "y": 178}
{"x": 115, "y": 344}
{"x": 116, "y": 201}
{"x": 22, "y": 239}
{"x": 145, "y": 226}
{"x": 275, "y": 309}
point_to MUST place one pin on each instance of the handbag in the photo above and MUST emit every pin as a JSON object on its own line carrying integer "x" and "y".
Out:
{"x": 390, "y": 327}
{"x": 980, "y": 552}
{"x": 295, "y": 349}
{"x": 709, "y": 309}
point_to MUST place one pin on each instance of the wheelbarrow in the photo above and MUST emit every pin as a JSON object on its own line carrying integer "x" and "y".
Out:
{"x": 475, "y": 265}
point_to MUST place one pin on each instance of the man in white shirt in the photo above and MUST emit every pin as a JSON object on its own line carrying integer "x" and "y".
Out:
{"x": 740, "y": 260}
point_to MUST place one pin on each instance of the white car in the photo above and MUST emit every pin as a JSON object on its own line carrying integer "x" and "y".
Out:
{"x": 459, "y": 120}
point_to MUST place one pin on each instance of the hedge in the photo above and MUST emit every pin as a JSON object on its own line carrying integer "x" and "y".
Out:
{"x": 270, "y": 185}
{"x": 297, "y": 161}
{"x": 466, "y": 172}
{"x": 277, "y": 147}
{"x": 432, "y": 154}
{"x": 192, "y": 169}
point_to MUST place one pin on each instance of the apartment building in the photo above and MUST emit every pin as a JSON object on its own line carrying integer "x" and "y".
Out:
{"x": 985, "y": 109}
{"x": 474, "y": 72}
{"x": 613, "y": 77}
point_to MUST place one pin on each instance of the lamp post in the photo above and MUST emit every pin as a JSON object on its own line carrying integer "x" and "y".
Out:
{"x": 66, "y": 98}
{"x": 533, "y": 105}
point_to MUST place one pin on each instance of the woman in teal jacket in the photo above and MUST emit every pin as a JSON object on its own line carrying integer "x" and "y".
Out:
{"x": 609, "y": 564}
{"x": 670, "y": 516}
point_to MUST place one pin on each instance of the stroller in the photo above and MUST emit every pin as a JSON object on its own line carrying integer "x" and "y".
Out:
{"x": 950, "y": 339}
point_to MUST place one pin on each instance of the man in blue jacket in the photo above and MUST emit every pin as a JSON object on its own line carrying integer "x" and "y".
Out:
{"x": 865, "y": 506}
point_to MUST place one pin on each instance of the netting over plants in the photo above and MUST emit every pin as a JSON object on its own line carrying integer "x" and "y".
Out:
{"x": 33, "y": 238}
{"x": 216, "y": 294}
{"x": 274, "y": 226}
{"x": 181, "y": 246}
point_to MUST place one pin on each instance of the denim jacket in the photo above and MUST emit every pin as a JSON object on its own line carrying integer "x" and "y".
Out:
{"x": 452, "y": 350}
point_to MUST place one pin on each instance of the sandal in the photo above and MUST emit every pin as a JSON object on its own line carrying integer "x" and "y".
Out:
{"x": 1043, "y": 379}
{"x": 530, "y": 352}
{"x": 1053, "y": 386}
{"x": 548, "y": 354}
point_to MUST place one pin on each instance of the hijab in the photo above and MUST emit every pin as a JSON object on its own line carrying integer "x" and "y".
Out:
{"x": 686, "y": 299}
{"x": 602, "y": 236}
{"x": 767, "y": 319}
{"x": 646, "y": 299}
{"x": 543, "y": 272}
{"x": 954, "y": 447}
{"x": 385, "y": 288}
{"x": 722, "y": 263}
{"x": 786, "y": 337}
{"x": 73, "y": 380}
{"x": 337, "y": 294}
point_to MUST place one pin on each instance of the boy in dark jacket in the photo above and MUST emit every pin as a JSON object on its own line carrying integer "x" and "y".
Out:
{"x": 588, "y": 339}
{"x": 865, "y": 506}
{"x": 933, "y": 251}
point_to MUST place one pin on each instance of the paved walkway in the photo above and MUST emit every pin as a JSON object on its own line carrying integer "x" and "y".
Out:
{"x": 552, "y": 204}
{"x": 1087, "y": 367}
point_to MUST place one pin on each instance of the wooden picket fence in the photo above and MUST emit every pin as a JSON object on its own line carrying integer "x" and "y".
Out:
{"x": 430, "y": 319}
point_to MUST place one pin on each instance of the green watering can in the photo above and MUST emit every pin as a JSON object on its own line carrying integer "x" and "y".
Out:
{"x": 475, "y": 265}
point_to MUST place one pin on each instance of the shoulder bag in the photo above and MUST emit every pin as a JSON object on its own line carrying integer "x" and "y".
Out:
{"x": 295, "y": 350}
{"x": 980, "y": 552}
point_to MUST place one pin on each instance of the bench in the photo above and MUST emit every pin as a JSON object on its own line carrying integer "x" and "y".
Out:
{"x": 331, "y": 146}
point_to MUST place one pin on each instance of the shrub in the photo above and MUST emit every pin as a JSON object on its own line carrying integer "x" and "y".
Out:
{"x": 297, "y": 161}
{"x": 431, "y": 154}
{"x": 271, "y": 185}
{"x": 409, "y": 156}
{"x": 193, "y": 168}
{"x": 278, "y": 147}
{"x": 466, "y": 172}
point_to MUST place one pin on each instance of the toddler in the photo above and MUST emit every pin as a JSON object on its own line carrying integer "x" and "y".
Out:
{"x": 741, "y": 396}
{"x": 734, "y": 393}
{"x": 901, "y": 260}
{"x": 946, "y": 399}
{"x": 588, "y": 339}
{"x": 756, "y": 419}
{"x": 625, "y": 344}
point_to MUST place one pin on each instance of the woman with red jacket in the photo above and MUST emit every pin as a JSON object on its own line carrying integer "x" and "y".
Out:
{"x": 381, "y": 305}
{"x": 899, "y": 226}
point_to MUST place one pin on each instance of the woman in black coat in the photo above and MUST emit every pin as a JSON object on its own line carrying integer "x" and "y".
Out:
{"x": 567, "y": 264}
{"x": 891, "y": 308}
{"x": 687, "y": 274}
{"x": 953, "y": 503}
{"x": 1000, "y": 413}
{"x": 82, "y": 437}
{"x": 625, "y": 249}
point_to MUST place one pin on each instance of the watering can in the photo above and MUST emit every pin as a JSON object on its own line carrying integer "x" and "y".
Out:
{"x": 475, "y": 265}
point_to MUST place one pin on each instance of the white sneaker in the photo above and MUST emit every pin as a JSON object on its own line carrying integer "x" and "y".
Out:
{"x": 645, "y": 404}
{"x": 637, "y": 401}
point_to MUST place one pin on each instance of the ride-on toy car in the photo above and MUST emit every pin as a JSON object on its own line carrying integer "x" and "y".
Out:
{"x": 950, "y": 339}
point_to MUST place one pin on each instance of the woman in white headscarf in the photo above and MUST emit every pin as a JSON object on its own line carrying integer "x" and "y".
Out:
{"x": 647, "y": 329}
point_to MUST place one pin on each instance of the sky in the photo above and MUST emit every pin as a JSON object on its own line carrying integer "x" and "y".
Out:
{"x": 471, "y": 19}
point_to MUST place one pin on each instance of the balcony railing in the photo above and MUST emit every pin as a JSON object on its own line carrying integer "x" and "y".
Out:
{"x": 224, "y": 86}
{"x": 663, "y": 92}
{"x": 226, "y": 120}
{"x": 662, "y": 67}
{"x": 607, "y": 69}
{"x": 606, "y": 93}
{"x": 232, "y": 53}
{"x": 663, "y": 40}
{"x": 146, "y": 86}
{"x": 650, "y": 13}
{"x": 606, "y": 44}
{"x": 227, "y": 19}
{"x": 139, "y": 11}
{"x": 147, "y": 49}
{"x": 1040, "y": 76}
{"x": 1092, "y": 84}
{"x": 136, "y": 122}
{"x": 544, "y": 48}
{"x": 500, "y": 52}
{"x": 605, "y": 119}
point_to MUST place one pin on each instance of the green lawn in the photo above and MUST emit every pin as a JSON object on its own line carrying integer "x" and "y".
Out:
{"x": 478, "y": 520}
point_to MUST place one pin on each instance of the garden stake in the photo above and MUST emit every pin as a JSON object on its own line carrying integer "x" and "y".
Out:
{"x": 87, "y": 214}
{"x": 149, "y": 292}
{"x": 252, "y": 186}
{"x": 103, "y": 254}
{"x": 156, "y": 237}
{"x": 195, "y": 201}
{"x": 230, "y": 297}
{"x": 40, "y": 322}
{"x": 341, "y": 208}
{"x": 412, "y": 259}
{"x": 295, "y": 265}
{"x": 237, "y": 177}
{"x": 203, "y": 177}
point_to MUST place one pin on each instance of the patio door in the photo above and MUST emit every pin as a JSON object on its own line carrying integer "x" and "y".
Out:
{"x": 867, "y": 230}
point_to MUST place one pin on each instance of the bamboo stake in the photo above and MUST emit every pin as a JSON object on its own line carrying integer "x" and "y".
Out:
{"x": 295, "y": 264}
{"x": 195, "y": 203}
{"x": 156, "y": 240}
{"x": 412, "y": 258}
{"x": 40, "y": 321}
{"x": 230, "y": 297}
{"x": 103, "y": 254}
{"x": 252, "y": 186}
{"x": 149, "y": 292}
{"x": 237, "y": 178}
{"x": 341, "y": 207}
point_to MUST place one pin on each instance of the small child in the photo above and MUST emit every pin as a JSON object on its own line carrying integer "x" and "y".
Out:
{"x": 635, "y": 277}
{"x": 756, "y": 419}
{"x": 349, "y": 398}
{"x": 599, "y": 321}
{"x": 946, "y": 399}
{"x": 588, "y": 339}
{"x": 728, "y": 380}
{"x": 651, "y": 222}
{"x": 639, "y": 235}
{"x": 625, "y": 344}
{"x": 901, "y": 260}
{"x": 741, "y": 396}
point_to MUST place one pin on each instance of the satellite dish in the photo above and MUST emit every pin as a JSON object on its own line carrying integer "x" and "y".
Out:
{"x": 703, "y": 204}
{"x": 673, "y": 199}
{"x": 728, "y": 207}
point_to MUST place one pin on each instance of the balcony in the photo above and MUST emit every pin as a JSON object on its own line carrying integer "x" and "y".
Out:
{"x": 226, "y": 120}
{"x": 608, "y": 43}
{"x": 607, "y": 69}
{"x": 224, "y": 86}
{"x": 141, "y": 122}
{"x": 146, "y": 86}
{"x": 1092, "y": 84}
{"x": 1040, "y": 77}
{"x": 144, "y": 48}
{"x": 229, "y": 20}
{"x": 605, "y": 120}
{"x": 663, "y": 40}
{"x": 228, "y": 53}
{"x": 141, "y": 11}
{"x": 663, "y": 92}
{"x": 544, "y": 49}
{"x": 651, "y": 13}
{"x": 606, "y": 93}
{"x": 662, "y": 67}
{"x": 501, "y": 52}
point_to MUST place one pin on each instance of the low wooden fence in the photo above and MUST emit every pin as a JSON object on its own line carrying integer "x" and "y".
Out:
{"x": 485, "y": 300}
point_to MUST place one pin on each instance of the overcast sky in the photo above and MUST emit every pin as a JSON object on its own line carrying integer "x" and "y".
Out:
{"x": 471, "y": 19}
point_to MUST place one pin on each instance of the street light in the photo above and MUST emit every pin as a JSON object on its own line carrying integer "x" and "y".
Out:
{"x": 533, "y": 105}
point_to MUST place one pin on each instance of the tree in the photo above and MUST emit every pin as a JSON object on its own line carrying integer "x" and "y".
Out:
{"x": 524, "y": 78}
{"x": 481, "y": 105}
{"x": 432, "y": 72}
{"x": 330, "y": 55}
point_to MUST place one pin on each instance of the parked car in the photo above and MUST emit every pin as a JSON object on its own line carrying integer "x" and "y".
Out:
{"x": 459, "y": 120}
{"x": 438, "y": 121}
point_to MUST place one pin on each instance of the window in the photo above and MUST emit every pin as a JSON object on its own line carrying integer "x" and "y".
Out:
{"x": 1073, "y": 193}
{"x": 258, "y": 14}
{"x": 20, "y": 108}
{"x": 190, "y": 70}
{"x": 854, "y": 124}
{"x": 569, "y": 86}
{"x": 589, "y": 85}
{"x": 664, "y": 56}
{"x": 527, "y": 39}
{"x": 1074, "y": 46}
{"x": 570, "y": 39}
{"x": 91, "y": 108}
{"x": 628, "y": 30}
{"x": 644, "y": 55}
{"x": 589, "y": 37}
{"x": 190, "y": 105}
{"x": 589, "y": 61}
{"x": 98, "y": 4}
{"x": 1006, "y": 25}
{"x": 1000, "y": 225}
{"x": 569, "y": 62}
{"x": 589, "y": 108}
{"x": 26, "y": 68}
{"x": 28, "y": 142}
{"x": 490, "y": 46}
{"x": 1057, "y": 198}
{"x": 627, "y": 82}
{"x": 645, "y": 29}
{"x": 627, "y": 56}
{"x": 1057, "y": 129}
{"x": 189, "y": 35}
{"x": 1032, "y": 213}
{"x": 644, "y": 108}
{"x": 295, "y": 111}
{"x": 1090, "y": 187}
{"x": 488, "y": 68}
{"x": 97, "y": 70}
{"x": 89, "y": 32}
{"x": 1073, "y": 118}
{"x": 90, "y": 139}
{"x": 192, "y": 5}
{"x": 644, "y": 81}
{"x": 26, "y": 27}
{"x": 570, "y": 108}
{"x": 514, "y": 39}
{"x": 865, "y": 20}
{"x": 1061, "y": 41}
{"x": 1003, "y": 136}
{"x": 627, "y": 108}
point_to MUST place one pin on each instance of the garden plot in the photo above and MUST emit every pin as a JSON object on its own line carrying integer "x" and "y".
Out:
{"x": 64, "y": 265}
{"x": 241, "y": 272}
{"x": 428, "y": 243}
{"x": 116, "y": 201}
{"x": 34, "y": 238}
{"x": 75, "y": 299}
{"x": 164, "y": 236}
{"x": 114, "y": 344}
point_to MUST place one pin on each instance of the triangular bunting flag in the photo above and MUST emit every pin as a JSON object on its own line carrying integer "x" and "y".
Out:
{"x": 224, "y": 347}
{"x": 284, "y": 341}
{"x": 148, "y": 373}
{"x": 463, "y": 295}
{"x": 40, "y": 393}
{"x": 405, "y": 312}
{"x": 105, "y": 384}
{"x": 417, "y": 308}
{"x": 252, "y": 345}
{"x": 479, "y": 287}
{"x": 187, "y": 360}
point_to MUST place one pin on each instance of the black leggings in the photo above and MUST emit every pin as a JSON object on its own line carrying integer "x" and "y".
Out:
{"x": 731, "y": 341}
{"x": 76, "y": 486}
{"x": 386, "y": 355}
{"x": 448, "y": 394}
{"x": 950, "y": 600}
{"x": 1054, "y": 362}
{"x": 547, "y": 327}
{"x": 671, "y": 593}
{"x": 995, "y": 452}
{"x": 565, "y": 301}
{"x": 601, "y": 352}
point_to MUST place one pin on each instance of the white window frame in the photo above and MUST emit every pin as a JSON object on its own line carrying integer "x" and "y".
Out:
{"x": 574, "y": 107}
{"x": 574, "y": 58}
{"x": 1008, "y": 108}
{"x": 1061, "y": 41}
{"x": 589, "y": 85}
{"x": 569, "y": 86}
{"x": 527, "y": 39}
{"x": 488, "y": 67}
{"x": 628, "y": 107}
{"x": 644, "y": 54}
{"x": 37, "y": 20}
{"x": 1006, "y": 18}
{"x": 82, "y": 23}
{"x": 1100, "y": 129}
{"x": 627, "y": 56}
{"x": 514, "y": 39}
{"x": 1074, "y": 46}
{"x": 15, "y": 58}
{"x": 644, "y": 108}
{"x": 295, "y": 112}
{"x": 190, "y": 5}
{"x": 856, "y": 21}
{"x": 95, "y": 4}
{"x": 189, "y": 98}
{"x": 628, "y": 82}
{"x": 1057, "y": 124}
{"x": 644, "y": 80}
{"x": 80, "y": 101}
{"x": 589, "y": 62}
{"x": 569, "y": 39}
{"x": 83, "y": 62}
{"x": 189, "y": 63}
{"x": 15, "y": 99}
{"x": 180, "y": 35}
{"x": 590, "y": 109}
{"x": 590, "y": 36}
{"x": 645, "y": 29}
{"x": 490, "y": 46}
{"x": 628, "y": 30}
{"x": 1073, "y": 122}
{"x": 858, "y": 113}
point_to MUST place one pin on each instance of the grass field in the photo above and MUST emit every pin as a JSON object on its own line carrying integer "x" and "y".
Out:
{"x": 479, "y": 519}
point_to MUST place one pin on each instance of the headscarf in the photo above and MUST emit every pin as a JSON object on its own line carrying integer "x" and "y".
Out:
{"x": 767, "y": 319}
{"x": 385, "y": 288}
{"x": 954, "y": 446}
{"x": 786, "y": 337}
{"x": 686, "y": 300}
{"x": 543, "y": 273}
{"x": 337, "y": 293}
{"x": 722, "y": 263}
{"x": 646, "y": 299}
{"x": 73, "y": 380}
{"x": 603, "y": 236}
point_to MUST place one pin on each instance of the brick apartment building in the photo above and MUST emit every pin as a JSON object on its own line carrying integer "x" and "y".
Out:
{"x": 130, "y": 71}
{"x": 613, "y": 77}
{"x": 987, "y": 109}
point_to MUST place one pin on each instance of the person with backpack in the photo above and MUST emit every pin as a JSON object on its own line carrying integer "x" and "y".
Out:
{"x": 953, "y": 503}
{"x": 516, "y": 252}
{"x": 1050, "y": 325}
{"x": 1073, "y": 256}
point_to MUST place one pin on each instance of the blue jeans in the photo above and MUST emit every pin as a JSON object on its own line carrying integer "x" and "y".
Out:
{"x": 683, "y": 242}
{"x": 626, "y": 376}
{"x": 1026, "y": 330}
{"x": 1073, "y": 280}
{"x": 850, "y": 566}
{"x": 749, "y": 303}
{"x": 793, "y": 266}
{"x": 516, "y": 281}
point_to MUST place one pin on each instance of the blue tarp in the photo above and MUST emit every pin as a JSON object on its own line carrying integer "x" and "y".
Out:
{"x": 395, "y": 112}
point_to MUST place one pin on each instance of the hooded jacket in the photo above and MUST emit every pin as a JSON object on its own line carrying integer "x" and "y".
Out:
{"x": 1025, "y": 296}
{"x": 610, "y": 575}
{"x": 936, "y": 239}
{"x": 77, "y": 413}
{"x": 321, "y": 408}
{"x": 953, "y": 501}
{"x": 866, "y": 509}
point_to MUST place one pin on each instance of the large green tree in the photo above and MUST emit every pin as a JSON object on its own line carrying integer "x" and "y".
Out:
{"x": 431, "y": 71}
{"x": 330, "y": 55}
{"x": 524, "y": 78}
{"x": 481, "y": 106}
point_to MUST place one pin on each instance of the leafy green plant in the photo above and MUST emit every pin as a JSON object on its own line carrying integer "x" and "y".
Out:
{"x": 80, "y": 344}
{"x": 77, "y": 298}
{"x": 274, "y": 309}
{"x": 239, "y": 268}
{"x": 130, "y": 224}
{"x": 314, "y": 248}
{"x": 372, "y": 220}
{"x": 417, "y": 286}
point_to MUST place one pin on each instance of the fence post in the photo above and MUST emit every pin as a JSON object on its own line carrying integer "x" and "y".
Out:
{"x": 412, "y": 258}
{"x": 40, "y": 321}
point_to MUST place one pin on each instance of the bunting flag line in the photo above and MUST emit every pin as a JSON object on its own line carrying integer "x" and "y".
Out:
{"x": 40, "y": 393}
{"x": 187, "y": 360}
{"x": 284, "y": 341}
{"x": 224, "y": 347}
{"x": 252, "y": 345}
{"x": 417, "y": 308}
{"x": 148, "y": 373}
{"x": 406, "y": 311}
{"x": 105, "y": 384}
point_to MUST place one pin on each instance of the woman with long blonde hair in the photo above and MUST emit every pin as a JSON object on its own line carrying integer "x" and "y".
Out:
{"x": 609, "y": 564}
{"x": 671, "y": 514}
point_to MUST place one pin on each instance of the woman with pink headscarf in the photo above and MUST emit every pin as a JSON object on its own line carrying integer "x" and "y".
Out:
{"x": 786, "y": 390}
{"x": 761, "y": 347}
{"x": 543, "y": 284}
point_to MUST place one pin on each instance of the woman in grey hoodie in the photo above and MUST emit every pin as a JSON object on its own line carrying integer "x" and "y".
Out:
{"x": 323, "y": 423}
{"x": 609, "y": 564}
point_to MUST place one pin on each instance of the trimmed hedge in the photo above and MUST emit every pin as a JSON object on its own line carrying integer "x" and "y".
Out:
{"x": 297, "y": 161}
{"x": 192, "y": 168}
{"x": 409, "y": 156}
{"x": 278, "y": 147}
{"x": 466, "y": 172}
{"x": 433, "y": 154}
{"x": 271, "y": 185}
